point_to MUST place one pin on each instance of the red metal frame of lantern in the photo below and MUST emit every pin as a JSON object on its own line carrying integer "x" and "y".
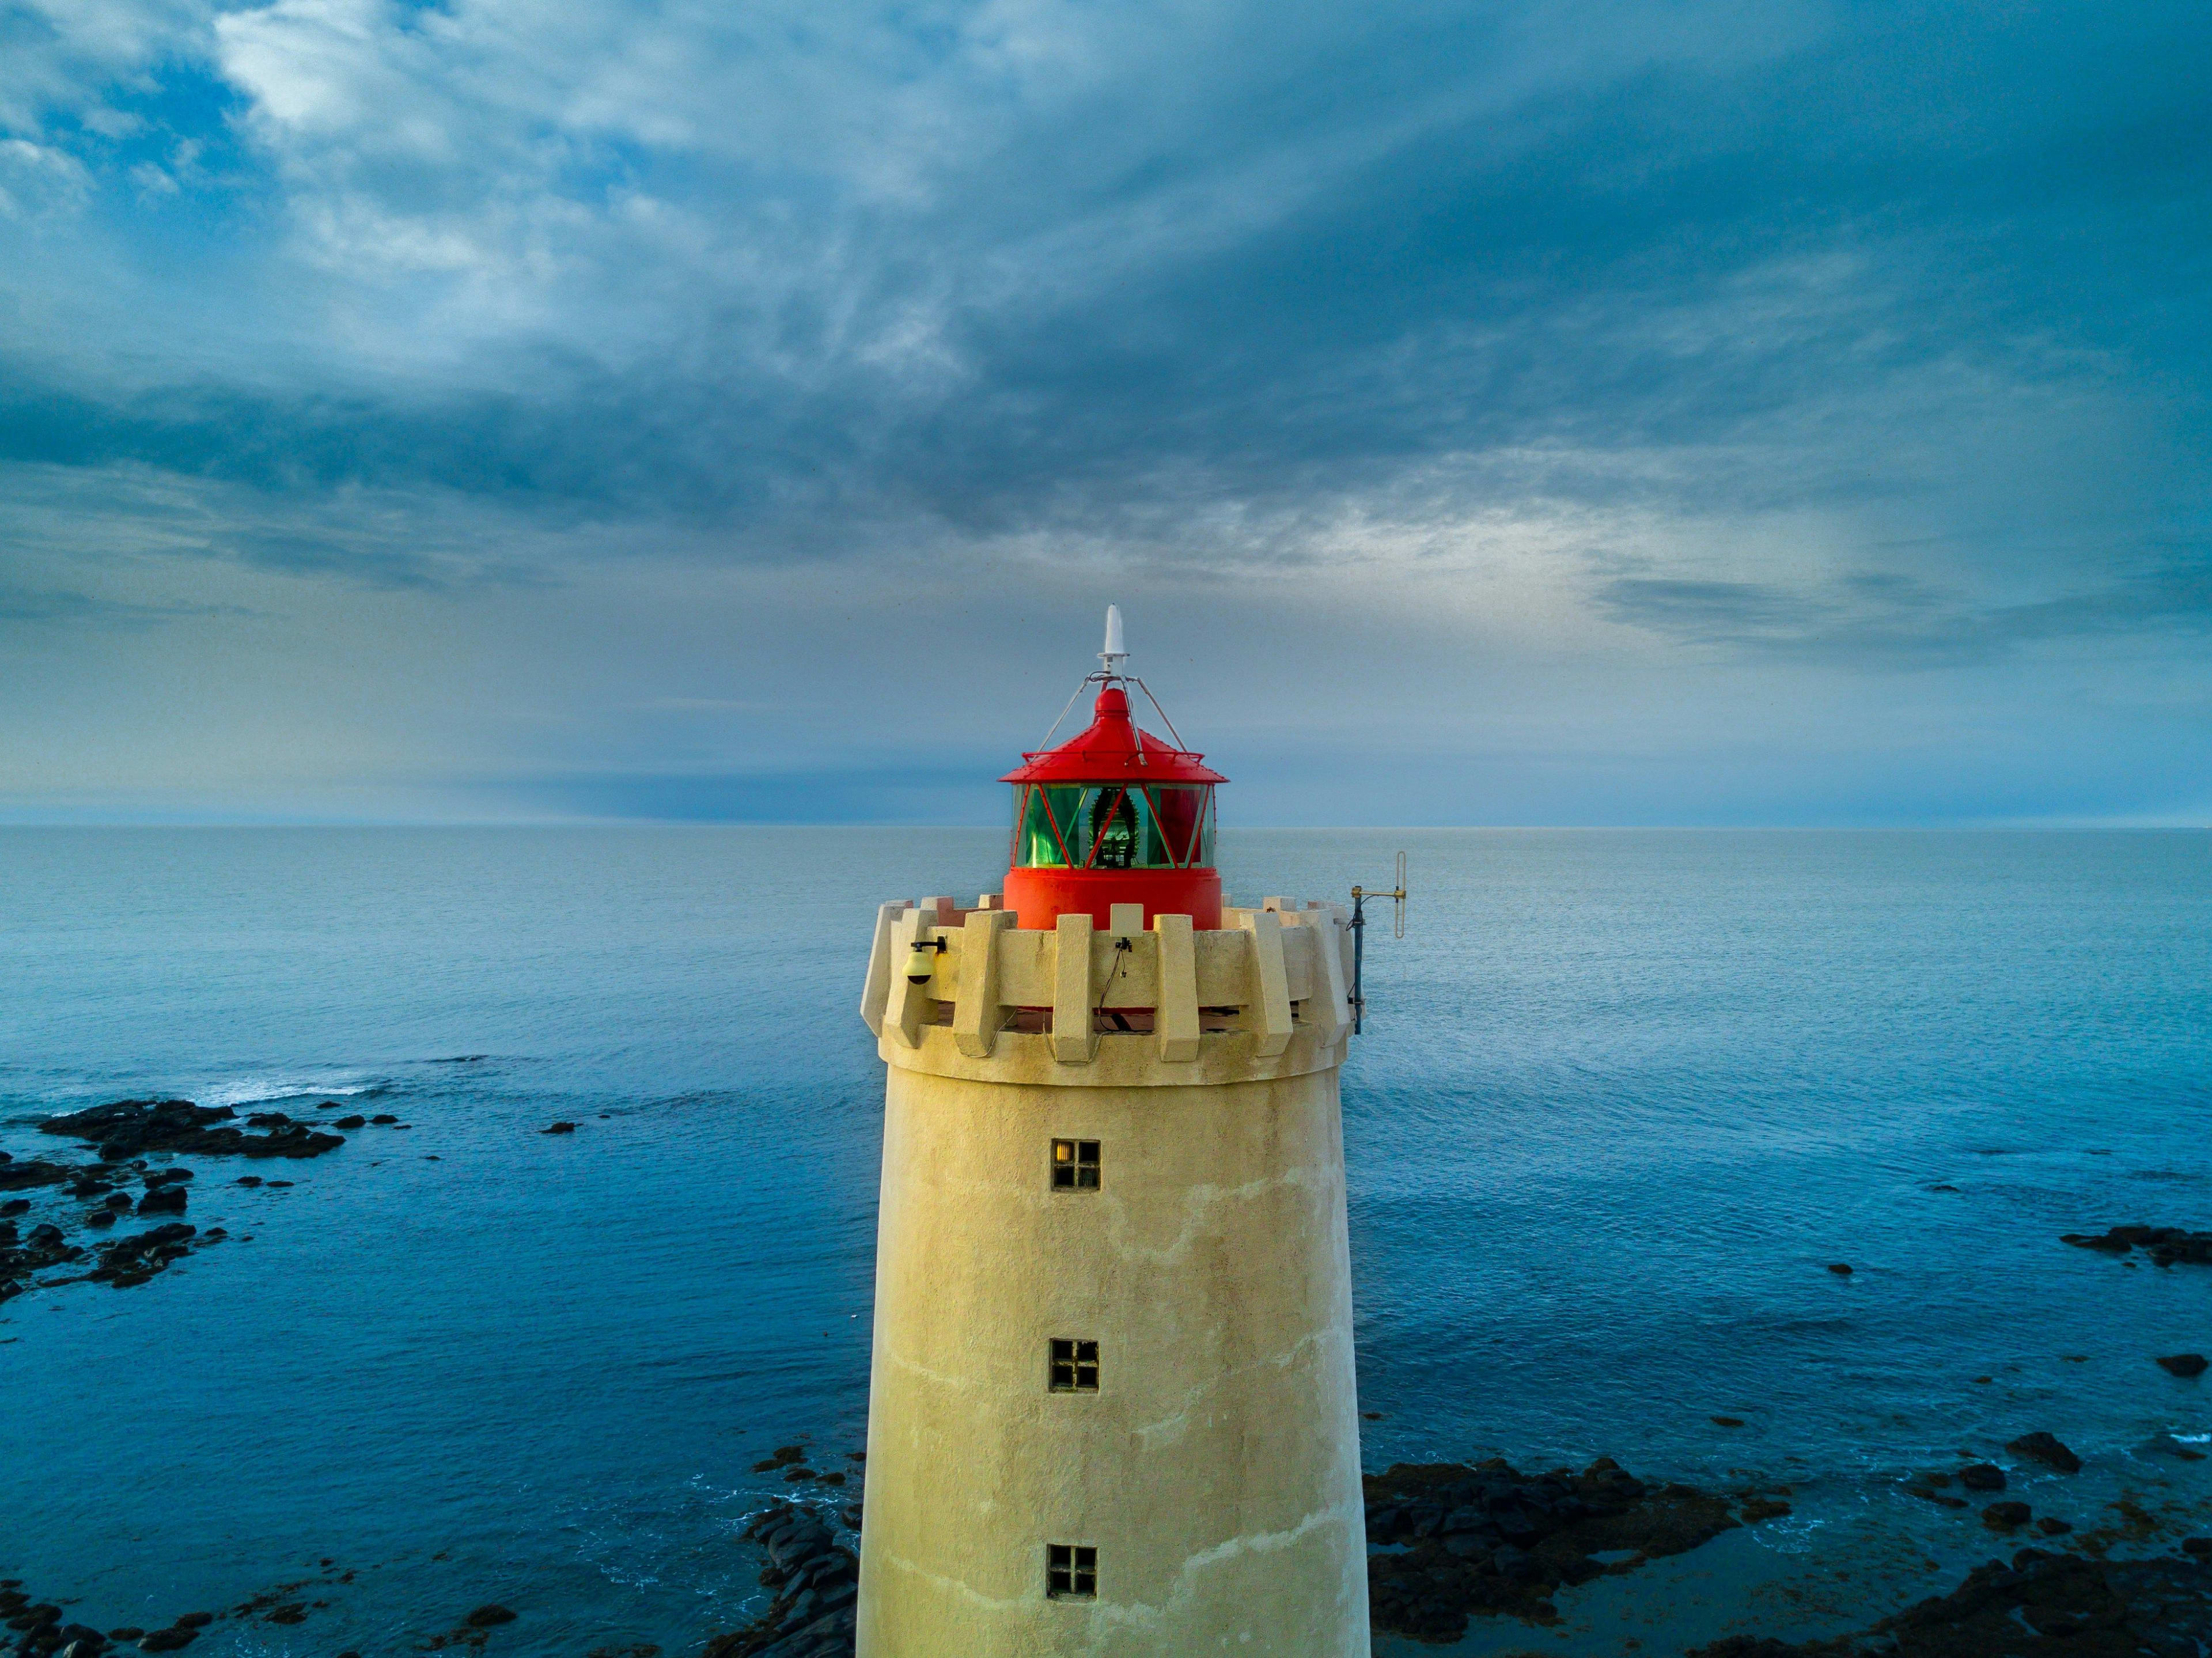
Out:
{"x": 1113, "y": 816}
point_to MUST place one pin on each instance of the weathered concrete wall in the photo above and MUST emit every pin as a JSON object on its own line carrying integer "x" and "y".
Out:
{"x": 1217, "y": 1468}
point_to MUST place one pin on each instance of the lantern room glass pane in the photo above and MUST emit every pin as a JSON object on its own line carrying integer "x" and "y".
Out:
{"x": 1038, "y": 834}
{"x": 1110, "y": 817}
{"x": 1108, "y": 826}
{"x": 1183, "y": 811}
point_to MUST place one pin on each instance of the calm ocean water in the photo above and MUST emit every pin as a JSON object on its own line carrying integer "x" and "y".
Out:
{"x": 1624, "y": 1096}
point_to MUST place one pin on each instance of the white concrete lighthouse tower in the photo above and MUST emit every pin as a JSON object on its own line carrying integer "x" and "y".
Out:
{"x": 1112, "y": 1407}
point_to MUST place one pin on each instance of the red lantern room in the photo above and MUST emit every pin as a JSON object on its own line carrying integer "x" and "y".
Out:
{"x": 1114, "y": 816}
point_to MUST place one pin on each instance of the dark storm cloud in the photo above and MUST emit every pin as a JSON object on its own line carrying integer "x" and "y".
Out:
{"x": 1700, "y": 250}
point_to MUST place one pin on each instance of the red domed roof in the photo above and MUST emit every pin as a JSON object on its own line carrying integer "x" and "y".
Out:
{"x": 1112, "y": 750}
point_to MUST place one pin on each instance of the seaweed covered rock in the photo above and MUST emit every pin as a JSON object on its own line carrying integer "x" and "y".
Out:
{"x": 1455, "y": 1540}
{"x": 130, "y": 1128}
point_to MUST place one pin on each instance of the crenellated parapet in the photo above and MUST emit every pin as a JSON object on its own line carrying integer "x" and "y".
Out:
{"x": 1264, "y": 995}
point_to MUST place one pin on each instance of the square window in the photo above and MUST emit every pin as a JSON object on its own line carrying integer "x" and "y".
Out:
{"x": 1074, "y": 1366}
{"x": 1075, "y": 1165}
{"x": 1071, "y": 1572}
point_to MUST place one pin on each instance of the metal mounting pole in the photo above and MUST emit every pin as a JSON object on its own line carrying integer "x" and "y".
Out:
{"x": 1360, "y": 898}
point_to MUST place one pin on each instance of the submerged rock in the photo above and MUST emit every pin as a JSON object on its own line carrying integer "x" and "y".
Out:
{"x": 21, "y": 1176}
{"x": 2184, "y": 1365}
{"x": 1982, "y": 1477}
{"x": 2059, "y": 1605}
{"x": 1490, "y": 1538}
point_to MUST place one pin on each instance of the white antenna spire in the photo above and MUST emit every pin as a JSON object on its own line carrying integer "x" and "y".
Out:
{"x": 1115, "y": 651}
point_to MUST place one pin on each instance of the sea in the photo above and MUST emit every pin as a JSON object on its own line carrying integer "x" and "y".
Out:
{"x": 1623, "y": 1100}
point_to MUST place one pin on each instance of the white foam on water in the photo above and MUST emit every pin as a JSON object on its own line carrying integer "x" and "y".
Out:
{"x": 260, "y": 1091}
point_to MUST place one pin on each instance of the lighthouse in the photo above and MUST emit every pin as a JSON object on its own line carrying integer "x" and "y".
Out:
{"x": 1112, "y": 1407}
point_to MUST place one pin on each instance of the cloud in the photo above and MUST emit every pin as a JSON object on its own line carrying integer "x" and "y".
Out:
{"x": 1781, "y": 335}
{"x": 1895, "y": 620}
{"x": 60, "y": 606}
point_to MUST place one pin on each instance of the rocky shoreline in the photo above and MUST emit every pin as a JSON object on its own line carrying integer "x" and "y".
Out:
{"x": 1446, "y": 1541}
{"x": 2064, "y": 1605}
{"x": 129, "y": 1136}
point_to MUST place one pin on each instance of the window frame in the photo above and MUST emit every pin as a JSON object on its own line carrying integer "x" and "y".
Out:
{"x": 1071, "y": 1572}
{"x": 1077, "y": 1358}
{"x": 1075, "y": 1165}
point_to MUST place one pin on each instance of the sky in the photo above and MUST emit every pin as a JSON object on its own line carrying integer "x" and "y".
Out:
{"x": 1582, "y": 412}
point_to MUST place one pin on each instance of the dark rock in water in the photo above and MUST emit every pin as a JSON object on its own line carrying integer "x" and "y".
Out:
{"x": 1982, "y": 1477}
{"x": 129, "y": 1128}
{"x": 196, "y": 1620}
{"x": 1490, "y": 1538}
{"x": 2165, "y": 1245}
{"x": 1727, "y": 1422}
{"x": 163, "y": 1201}
{"x": 2183, "y": 1364}
{"x": 169, "y": 1640}
{"x": 2051, "y": 1526}
{"x": 167, "y": 1178}
{"x": 267, "y": 1119}
{"x": 249, "y": 1180}
{"x": 1922, "y": 1487}
{"x": 2046, "y": 1449}
{"x": 132, "y": 1260}
{"x": 21, "y": 1177}
{"x": 1841, "y": 1269}
{"x": 2199, "y": 1546}
{"x": 119, "y": 1200}
{"x": 2040, "y": 1606}
{"x": 488, "y": 1617}
{"x": 383, "y": 1118}
{"x": 355, "y": 1122}
{"x": 14, "y": 1207}
{"x": 44, "y": 1237}
{"x": 100, "y": 1218}
{"x": 559, "y": 1128}
{"x": 2006, "y": 1516}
